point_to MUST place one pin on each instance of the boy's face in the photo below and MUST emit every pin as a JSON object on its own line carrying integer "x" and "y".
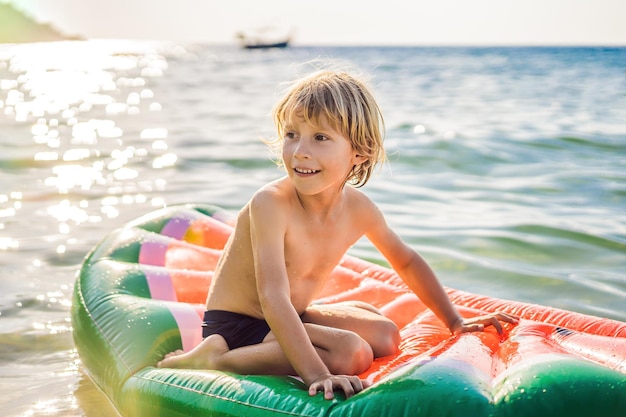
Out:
{"x": 317, "y": 158}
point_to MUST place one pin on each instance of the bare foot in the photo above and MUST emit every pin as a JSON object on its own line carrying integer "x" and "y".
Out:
{"x": 203, "y": 356}
{"x": 175, "y": 353}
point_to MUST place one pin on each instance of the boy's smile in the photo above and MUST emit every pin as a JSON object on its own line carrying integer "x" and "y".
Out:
{"x": 304, "y": 171}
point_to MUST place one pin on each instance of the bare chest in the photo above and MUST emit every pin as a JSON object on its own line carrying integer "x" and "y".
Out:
{"x": 312, "y": 252}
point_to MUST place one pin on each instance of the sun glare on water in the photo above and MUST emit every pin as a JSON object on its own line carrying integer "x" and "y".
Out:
{"x": 78, "y": 98}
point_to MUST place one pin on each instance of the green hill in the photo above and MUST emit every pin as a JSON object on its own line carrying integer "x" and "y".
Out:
{"x": 16, "y": 27}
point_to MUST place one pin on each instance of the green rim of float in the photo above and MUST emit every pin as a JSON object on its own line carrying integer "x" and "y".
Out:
{"x": 128, "y": 311}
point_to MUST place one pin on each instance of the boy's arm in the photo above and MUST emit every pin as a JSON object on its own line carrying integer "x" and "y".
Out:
{"x": 421, "y": 279}
{"x": 267, "y": 229}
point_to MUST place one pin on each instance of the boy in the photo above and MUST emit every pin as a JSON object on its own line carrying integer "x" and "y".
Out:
{"x": 290, "y": 236}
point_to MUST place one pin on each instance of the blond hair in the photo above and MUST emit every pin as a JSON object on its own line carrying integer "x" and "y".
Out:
{"x": 348, "y": 106}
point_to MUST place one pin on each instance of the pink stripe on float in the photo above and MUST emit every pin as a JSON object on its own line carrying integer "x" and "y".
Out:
{"x": 152, "y": 253}
{"x": 189, "y": 324}
{"x": 176, "y": 227}
{"x": 160, "y": 284}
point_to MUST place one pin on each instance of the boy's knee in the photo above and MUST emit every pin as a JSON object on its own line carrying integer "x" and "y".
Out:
{"x": 354, "y": 355}
{"x": 385, "y": 338}
{"x": 388, "y": 339}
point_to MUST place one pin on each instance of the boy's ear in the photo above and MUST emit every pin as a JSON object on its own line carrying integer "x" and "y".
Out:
{"x": 359, "y": 159}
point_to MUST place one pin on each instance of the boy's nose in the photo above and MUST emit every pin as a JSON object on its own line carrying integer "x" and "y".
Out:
{"x": 302, "y": 149}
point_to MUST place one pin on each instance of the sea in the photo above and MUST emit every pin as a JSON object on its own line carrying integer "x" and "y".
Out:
{"x": 506, "y": 171}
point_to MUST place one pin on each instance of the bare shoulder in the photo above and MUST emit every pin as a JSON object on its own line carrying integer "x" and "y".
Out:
{"x": 363, "y": 208}
{"x": 269, "y": 207}
{"x": 272, "y": 196}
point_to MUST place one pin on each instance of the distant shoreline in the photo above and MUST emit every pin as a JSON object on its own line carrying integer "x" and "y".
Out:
{"x": 17, "y": 27}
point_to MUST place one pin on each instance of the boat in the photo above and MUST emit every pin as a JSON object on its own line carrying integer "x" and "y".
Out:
{"x": 262, "y": 45}
{"x": 140, "y": 294}
{"x": 263, "y": 39}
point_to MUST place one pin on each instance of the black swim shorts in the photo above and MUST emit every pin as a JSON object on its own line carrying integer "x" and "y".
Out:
{"x": 237, "y": 329}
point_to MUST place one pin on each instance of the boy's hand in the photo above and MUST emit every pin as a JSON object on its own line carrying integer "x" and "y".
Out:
{"x": 477, "y": 324}
{"x": 327, "y": 383}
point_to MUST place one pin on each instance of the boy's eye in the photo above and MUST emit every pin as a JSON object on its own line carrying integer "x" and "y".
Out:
{"x": 321, "y": 137}
{"x": 290, "y": 135}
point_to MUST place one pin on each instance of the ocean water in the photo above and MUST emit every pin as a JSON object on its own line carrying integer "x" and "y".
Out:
{"x": 506, "y": 171}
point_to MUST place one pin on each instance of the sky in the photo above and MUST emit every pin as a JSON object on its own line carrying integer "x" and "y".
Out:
{"x": 344, "y": 22}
